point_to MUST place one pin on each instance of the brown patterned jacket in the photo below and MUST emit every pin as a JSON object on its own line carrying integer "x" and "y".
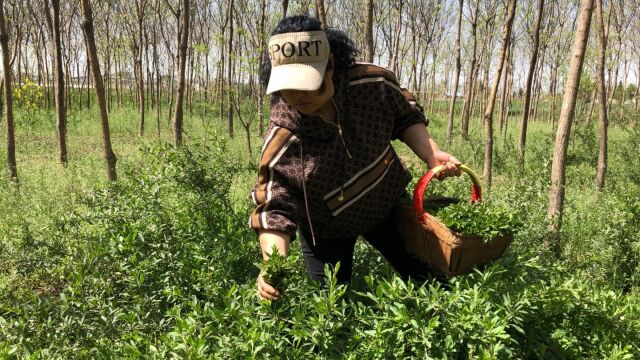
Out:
{"x": 334, "y": 186}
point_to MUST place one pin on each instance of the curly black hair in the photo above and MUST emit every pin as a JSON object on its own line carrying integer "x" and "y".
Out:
{"x": 342, "y": 47}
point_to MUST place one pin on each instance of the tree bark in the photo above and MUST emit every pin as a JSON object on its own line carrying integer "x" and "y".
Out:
{"x": 393, "y": 59}
{"x": 156, "y": 66}
{"x": 454, "y": 89}
{"x": 592, "y": 104}
{"x": 602, "y": 98}
{"x": 87, "y": 26}
{"x": 140, "y": 7}
{"x": 8, "y": 97}
{"x": 469, "y": 79}
{"x": 567, "y": 113}
{"x": 505, "y": 86}
{"x": 182, "y": 64}
{"x": 638, "y": 88}
{"x": 368, "y": 31}
{"x": 229, "y": 71}
{"x": 262, "y": 59}
{"x": 322, "y": 15}
{"x": 488, "y": 114}
{"x": 56, "y": 46}
{"x": 527, "y": 93}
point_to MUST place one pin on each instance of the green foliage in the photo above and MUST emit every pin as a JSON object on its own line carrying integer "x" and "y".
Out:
{"x": 277, "y": 269}
{"x": 161, "y": 265}
{"x": 482, "y": 219}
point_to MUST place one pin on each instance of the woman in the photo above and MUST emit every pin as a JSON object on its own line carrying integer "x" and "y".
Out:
{"x": 327, "y": 167}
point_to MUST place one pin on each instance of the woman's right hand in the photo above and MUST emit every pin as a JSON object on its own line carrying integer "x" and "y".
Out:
{"x": 269, "y": 239}
{"x": 265, "y": 290}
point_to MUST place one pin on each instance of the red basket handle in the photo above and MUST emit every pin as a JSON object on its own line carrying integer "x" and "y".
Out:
{"x": 421, "y": 186}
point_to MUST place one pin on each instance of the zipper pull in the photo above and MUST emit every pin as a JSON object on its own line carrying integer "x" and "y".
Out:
{"x": 343, "y": 142}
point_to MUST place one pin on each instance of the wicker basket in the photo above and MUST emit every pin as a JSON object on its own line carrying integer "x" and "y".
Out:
{"x": 447, "y": 251}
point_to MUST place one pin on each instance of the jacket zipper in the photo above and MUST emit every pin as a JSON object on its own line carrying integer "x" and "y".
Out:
{"x": 343, "y": 142}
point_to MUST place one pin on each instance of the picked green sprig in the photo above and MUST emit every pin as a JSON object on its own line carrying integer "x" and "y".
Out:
{"x": 278, "y": 269}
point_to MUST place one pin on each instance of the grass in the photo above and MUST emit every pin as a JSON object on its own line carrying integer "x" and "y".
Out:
{"x": 158, "y": 266}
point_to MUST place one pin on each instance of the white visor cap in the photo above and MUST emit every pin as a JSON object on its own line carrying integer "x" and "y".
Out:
{"x": 298, "y": 60}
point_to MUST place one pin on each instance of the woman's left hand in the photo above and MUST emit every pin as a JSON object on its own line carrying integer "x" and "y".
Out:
{"x": 451, "y": 165}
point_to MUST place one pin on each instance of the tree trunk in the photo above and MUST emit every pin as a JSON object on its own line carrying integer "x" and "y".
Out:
{"x": 108, "y": 64}
{"x": 527, "y": 93}
{"x": 393, "y": 59}
{"x": 368, "y": 32}
{"x": 87, "y": 26}
{"x": 602, "y": 98}
{"x": 56, "y": 47}
{"x": 616, "y": 63}
{"x": 488, "y": 114}
{"x": 140, "y": 4}
{"x": 182, "y": 64}
{"x": 262, "y": 58}
{"x": 433, "y": 79}
{"x": 505, "y": 86}
{"x": 464, "y": 121}
{"x": 322, "y": 15}
{"x": 285, "y": 8}
{"x": 454, "y": 89}
{"x": 567, "y": 113}
{"x": 592, "y": 104}
{"x": 8, "y": 97}
{"x": 229, "y": 71}
{"x": 156, "y": 65}
{"x": 537, "y": 90}
{"x": 638, "y": 89}
{"x": 624, "y": 88}
{"x": 191, "y": 56}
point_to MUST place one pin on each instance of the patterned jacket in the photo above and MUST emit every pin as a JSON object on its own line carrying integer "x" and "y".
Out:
{"x": 334, "y": 186}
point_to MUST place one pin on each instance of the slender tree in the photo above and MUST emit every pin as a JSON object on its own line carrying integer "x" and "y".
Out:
{"x": 527, "y": 91}
{"x": 182, "y": 64}
{"x": 393, "y": 59}
{"x": 469, "y": 77}
{"x": 230, "y": 70}
{"x": 8, "y": 98}
{"x": 567, "y": 113}
{"x": 368, "y": 30}
{"x": 488, "y": 114}
{"x": 92, "y": 52}
{"x": 262, "y": 59}
{"x": 322, "y": 15}
{"x": 456, "y": 79}
{"x": 602, "y": 98}
{"x": 56, "y": 46}
{"x": 138, "y": 47}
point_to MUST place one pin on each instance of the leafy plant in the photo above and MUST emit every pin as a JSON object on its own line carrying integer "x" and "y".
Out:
{"x": 277, "y": 270}
{"x": 29, "y": 95}
{"x": 482, "y": 219}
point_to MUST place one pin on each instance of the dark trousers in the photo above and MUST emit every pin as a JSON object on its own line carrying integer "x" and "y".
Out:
{"x": 385, "y": 238}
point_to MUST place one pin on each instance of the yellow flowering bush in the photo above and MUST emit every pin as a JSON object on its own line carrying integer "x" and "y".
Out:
{"x": 28, "y": 96}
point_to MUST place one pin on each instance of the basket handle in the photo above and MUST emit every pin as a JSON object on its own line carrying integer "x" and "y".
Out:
{"x": 421, "y": 186}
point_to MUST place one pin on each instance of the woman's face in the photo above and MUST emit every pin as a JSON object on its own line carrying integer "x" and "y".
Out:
{"x": 311, "y": 102}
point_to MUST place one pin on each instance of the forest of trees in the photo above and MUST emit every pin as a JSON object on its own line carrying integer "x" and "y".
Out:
{"x": 177, "y": 51}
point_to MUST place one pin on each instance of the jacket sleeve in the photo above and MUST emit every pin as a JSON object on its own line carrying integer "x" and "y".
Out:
{"x": 274, "y": 195}
{"x": 405, "y": 107}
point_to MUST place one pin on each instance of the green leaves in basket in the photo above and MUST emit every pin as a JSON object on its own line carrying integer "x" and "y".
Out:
{"x": 482, "y": 219}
